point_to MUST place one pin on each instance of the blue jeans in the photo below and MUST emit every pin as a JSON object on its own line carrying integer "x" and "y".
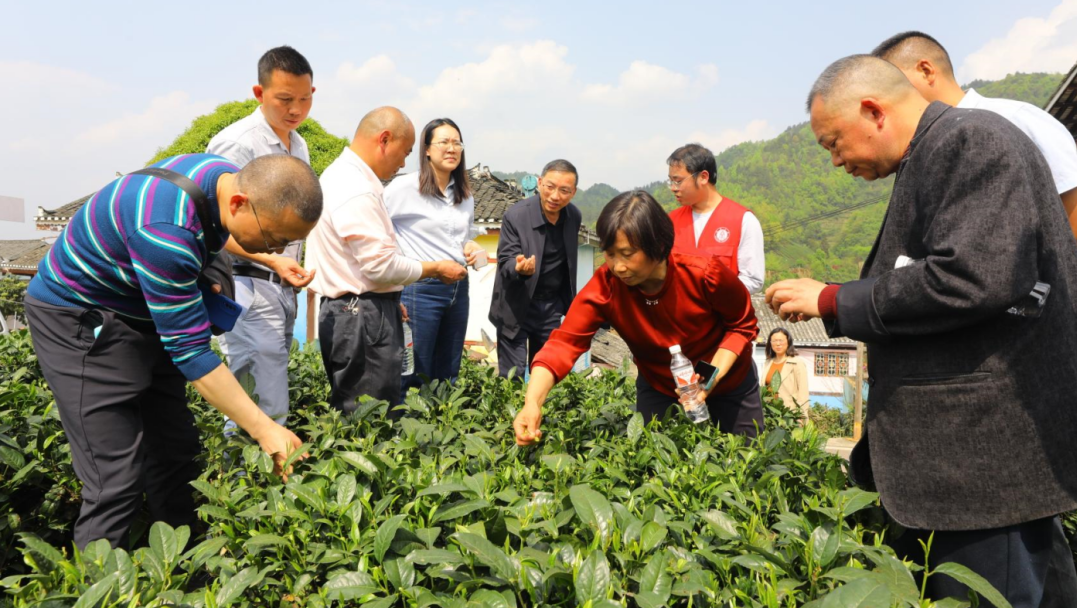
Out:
{"x": 438, "y": 314}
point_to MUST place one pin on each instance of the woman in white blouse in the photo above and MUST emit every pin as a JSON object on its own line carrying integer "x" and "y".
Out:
{"x": 433, "y": 214}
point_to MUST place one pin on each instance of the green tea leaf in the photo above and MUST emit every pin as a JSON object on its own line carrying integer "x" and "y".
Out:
{"x": 723, "y": 525}
{"x": 97, "y": 592}
{"x": 593, "y": 579}
{"x": 593, "y": 509}
{"x": 350, "y": 586}
{"x": 237, "y": 585}
{"x": 635, "y": 428}
{"x": 442, "y": 489}
{"x": 264, "y": 540}
{"x": 861, "y": 593}
{"x": 973, "y": 581}
{"x": 385, "y": 535}
{"x": 487, "y": 553}
{"x": 163, "y": 542}
{"x": 652, "y": 535}
{"x": 426, "y": 557}
{"x": 360, "y": 462}
{"x": 459, "y": 510}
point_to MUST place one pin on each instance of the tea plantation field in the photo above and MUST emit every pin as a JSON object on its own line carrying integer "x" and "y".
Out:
{"x": 443, "y": 509}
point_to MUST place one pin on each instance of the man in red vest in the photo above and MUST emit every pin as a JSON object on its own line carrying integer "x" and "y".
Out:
{"x": 709, "y": 224}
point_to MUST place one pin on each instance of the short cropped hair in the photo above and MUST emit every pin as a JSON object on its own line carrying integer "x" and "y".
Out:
{"x": 285, "y": 59}
{"x": 695, "y": 158}
{"x": 562, "y": 166}
{"x": 643, "y": 221}
{"x": 278, "y": 181}
{"x": 907, "y": 47}
{"x": 860, "y": 74}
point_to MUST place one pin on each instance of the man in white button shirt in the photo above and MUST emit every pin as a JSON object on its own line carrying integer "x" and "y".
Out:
{"x": 927, "y": 66}
{"x": 709, "y": 224}
{"x": 361, "y": 270}
{"x": 257, "y": 348}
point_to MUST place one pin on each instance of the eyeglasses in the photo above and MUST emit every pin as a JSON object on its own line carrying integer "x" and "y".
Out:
{"x": 278, "y": 248}
{"x": 550, "y": 187}
{"x": 677, "y": 182}
{"x": 444, "y": 144}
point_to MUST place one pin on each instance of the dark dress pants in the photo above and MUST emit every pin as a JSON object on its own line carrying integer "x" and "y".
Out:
{"x": 1030, "y": 564}
{"x": 362, "y": 342}
{"x": 738, "y": 412}
{"x": 123, "y": 406}
{"x": 543, "y": 316}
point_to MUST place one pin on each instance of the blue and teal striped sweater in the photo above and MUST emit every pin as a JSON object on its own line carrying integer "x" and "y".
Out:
{"x": 136, "y": 248}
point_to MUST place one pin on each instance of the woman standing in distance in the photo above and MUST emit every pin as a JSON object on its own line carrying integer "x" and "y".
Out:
{"x": 655, "y": 299}
{"x": 433, "y": 214}
{"x": 786, "y": 372}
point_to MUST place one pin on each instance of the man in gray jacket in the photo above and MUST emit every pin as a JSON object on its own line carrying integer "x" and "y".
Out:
{"x": 972, "y": 364}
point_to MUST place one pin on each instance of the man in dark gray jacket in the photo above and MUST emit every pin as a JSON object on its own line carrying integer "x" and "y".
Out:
{"x": 536, "y": 267}
{"x": 973, "y": 370}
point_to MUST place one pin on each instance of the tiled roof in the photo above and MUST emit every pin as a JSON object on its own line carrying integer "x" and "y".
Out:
{"x": 492, "y": 196}
{"x": 805, "y": 333}
{"x": 1063, "y": 104}
{"x": 62, "y": 213}
{"x": 22, "y": 254}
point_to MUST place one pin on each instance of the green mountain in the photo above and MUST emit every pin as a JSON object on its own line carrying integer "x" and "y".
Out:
{"x": 818, "y": 222}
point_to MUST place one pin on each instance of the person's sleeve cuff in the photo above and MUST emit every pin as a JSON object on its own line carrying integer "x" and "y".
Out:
{"x": 828, "y": 302}
{"x": 199, "y": 365}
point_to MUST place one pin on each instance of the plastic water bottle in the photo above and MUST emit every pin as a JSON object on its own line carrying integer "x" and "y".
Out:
{"x": 682, "y": 369}
{"x": 408, "y": 363}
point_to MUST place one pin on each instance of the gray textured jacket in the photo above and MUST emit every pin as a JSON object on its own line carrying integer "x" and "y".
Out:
{"x": 972, "y": 413}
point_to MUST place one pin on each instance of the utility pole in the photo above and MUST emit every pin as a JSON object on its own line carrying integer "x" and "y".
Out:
{"x": 858, "y": 400}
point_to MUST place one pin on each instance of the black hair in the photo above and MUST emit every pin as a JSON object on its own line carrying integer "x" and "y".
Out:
{"x": 428, "y": 184}
{"x": 642, "y": 219}
{"x": 562, "y": 166}
{"x": 898, "y": 45}
{"x": 695, "y": 159}
{"x": 791, "y": 351}
{"x": 285, "y": 59}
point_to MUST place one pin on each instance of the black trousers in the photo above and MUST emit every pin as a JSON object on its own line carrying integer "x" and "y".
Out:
{"x": 543, "y": 316}
{"x": 739, "y": 411}
{"x": 123, "y": 405}
{"x": 1030, "y": 564}
{"x": 362, "y": 341}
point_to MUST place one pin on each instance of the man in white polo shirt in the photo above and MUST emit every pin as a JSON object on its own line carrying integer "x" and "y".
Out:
{"x": 257, "y": 348}
{"x": 360, "y": 269}
{"x": 927, "y": 65}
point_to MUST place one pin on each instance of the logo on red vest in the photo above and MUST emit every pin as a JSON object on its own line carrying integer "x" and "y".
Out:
{"x": 721, "y": 235}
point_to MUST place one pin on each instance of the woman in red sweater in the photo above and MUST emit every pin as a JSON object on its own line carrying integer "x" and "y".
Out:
{"x": 655, "y": 299}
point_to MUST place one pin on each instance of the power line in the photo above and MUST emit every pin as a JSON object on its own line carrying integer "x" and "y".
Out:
{"x": 822, "y": 216}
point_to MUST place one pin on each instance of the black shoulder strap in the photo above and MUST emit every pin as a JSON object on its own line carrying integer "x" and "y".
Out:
{"x": 198, "y": 197}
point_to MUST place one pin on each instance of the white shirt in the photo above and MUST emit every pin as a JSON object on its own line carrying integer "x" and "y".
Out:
{"x": 430, "y": 228}
{"x": 353, "y": 246}
{"x": 1050, "y": 136}
{"x": 751, "y": 264}
{"x": 247, "y": 139}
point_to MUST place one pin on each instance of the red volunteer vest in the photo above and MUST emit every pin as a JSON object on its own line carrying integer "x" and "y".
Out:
{"x": 720, "y": 237}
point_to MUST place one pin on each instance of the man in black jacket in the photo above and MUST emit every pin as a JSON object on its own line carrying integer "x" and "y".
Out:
{"x": 536, "y": 267}
{"x": 972, "y": 363}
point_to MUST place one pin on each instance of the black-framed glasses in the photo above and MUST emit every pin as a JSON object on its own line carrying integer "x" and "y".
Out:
{"x": 278, "y": 248}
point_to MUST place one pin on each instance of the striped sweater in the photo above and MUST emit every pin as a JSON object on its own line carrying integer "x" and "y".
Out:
{"x": 136, "y": 248}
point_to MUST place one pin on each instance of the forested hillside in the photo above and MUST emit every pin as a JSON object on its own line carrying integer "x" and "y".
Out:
{"x": 802, "y": 201}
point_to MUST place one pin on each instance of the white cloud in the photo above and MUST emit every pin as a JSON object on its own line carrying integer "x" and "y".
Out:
{"x": 518, "y": 24}
{"x": 507, "y": 70}
{"x": 31, "y": 76}
{"x": 166, "y": 116}
{"x": 755, "y": 130}
{"x": 644, "y": 83}
{"x": 1033, "y": 44}
{"x": 379, "y": 71}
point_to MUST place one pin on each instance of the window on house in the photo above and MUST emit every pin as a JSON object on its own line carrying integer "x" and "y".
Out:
{"x": 831, "y": 364}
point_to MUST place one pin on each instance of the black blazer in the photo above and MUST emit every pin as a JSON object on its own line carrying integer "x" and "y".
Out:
{"x": 523, "y": 232}
{"x": 971, "y": 412}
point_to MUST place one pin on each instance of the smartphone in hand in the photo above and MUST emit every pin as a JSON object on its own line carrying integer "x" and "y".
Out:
{"x": 707, "y": 375}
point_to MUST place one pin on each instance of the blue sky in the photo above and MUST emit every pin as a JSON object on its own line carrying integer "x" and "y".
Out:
{"x": 94, "y": 88}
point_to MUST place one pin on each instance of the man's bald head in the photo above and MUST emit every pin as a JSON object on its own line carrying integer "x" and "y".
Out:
{"x": 385, "y": 118}
{"x": 276, "y": 182}
{"x": 858, "y": 77}
{"x": 907, "y": 49}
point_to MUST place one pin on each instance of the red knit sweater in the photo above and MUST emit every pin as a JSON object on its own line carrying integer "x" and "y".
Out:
{"x": 702, "y": 306}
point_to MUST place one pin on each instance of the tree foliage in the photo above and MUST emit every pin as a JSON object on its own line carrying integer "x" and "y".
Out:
{"x": 324, "y": 146}
{"x": 1035, "y": 89}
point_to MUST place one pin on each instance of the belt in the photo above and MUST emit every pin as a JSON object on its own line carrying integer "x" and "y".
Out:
{"x": 370, "y": 295}
{"x": 256, "y": 273}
